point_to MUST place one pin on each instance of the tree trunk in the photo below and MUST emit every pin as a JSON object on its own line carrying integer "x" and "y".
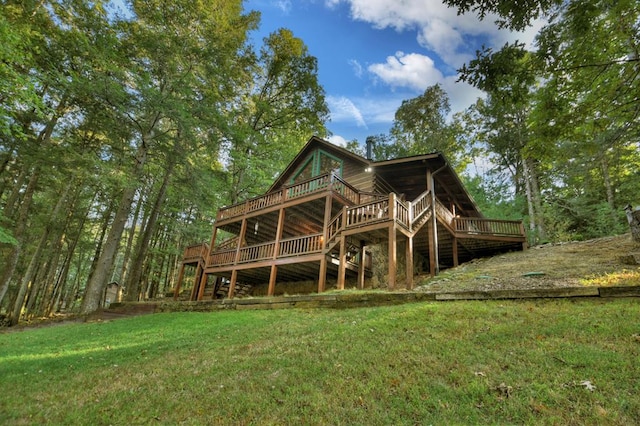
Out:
{"x": 130, "y": 238}
{"x": 529, "y": 192}
{"x": 21, "y": 223}
{"x": 98, "y": 281}
{"x": 133, "y": 280}
{"x": 537, "y": 198}
{"x": 28, "y": 276}
{"x": 633, "y": 216}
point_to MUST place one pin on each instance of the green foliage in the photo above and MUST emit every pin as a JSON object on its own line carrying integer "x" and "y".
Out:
{"x": 495, "y": 198}
{"x": 513, "y": 14}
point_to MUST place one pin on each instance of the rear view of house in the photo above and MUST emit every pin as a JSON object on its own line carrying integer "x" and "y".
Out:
{"x": 319, "y": 219}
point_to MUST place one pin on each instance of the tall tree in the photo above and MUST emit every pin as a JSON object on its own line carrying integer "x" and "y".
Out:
{"x": 508, "y": 77}
{"x": 183, "y": 61}
{"x": 281, "y": 107}
{"x": 421, "y": 126}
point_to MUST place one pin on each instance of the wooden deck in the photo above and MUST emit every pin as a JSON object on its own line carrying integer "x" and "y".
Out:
{"x": 317, "y": 230}
{"x": 363, "y": 211}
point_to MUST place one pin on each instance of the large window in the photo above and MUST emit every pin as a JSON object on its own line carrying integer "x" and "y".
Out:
{"x": 318, "y": 163}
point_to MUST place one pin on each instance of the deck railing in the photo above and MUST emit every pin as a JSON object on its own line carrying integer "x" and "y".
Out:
{"x": 256, "y": 252}
{"x": 301, "y": 245}
{"x": 420, "y": 205}
{"x": 402, "y": 212}
{"x": 481, "y": 226}
{"x": 376, "y": 210}
{"x": 364, "y": 214}
{"x": 222, "y": 257}
{"x": 444, "y": 214}
{"x": 196, "y": 251}
{"x": 327, "y": 181}
{"x": 334, "y": 228}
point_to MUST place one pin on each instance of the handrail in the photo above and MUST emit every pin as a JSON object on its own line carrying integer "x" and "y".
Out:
{"x": 443, "y": 212}
{"x": 229, "y": 243}
{"x": 402, "y": 214}
{"x": 482, "y": 226}
{"x": 366, "y": 213}
{"x": 345, "y": 189}
{"x": 196, "y": 251}
{"x": 334, "y": 228}
{"x": 420, "y": 205}
{"x": 288, "y": 192}
{"x": 300, "y": 245}
{"x": 257, "y": 252}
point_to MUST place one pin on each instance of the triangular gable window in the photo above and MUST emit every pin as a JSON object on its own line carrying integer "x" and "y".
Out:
{"x": 318, "y": 163}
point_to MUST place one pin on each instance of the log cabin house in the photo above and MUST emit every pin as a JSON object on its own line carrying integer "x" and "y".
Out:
{"x": 327, "y": 208}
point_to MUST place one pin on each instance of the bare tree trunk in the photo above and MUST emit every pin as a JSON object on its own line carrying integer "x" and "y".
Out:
{"x": 98, "y": 281}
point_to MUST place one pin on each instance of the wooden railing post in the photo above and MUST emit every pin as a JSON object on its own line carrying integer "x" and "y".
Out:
{"x": 392, "y": 206}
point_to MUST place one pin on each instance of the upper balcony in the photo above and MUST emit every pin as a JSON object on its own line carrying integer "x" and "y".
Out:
{"x": 327, "y": 182}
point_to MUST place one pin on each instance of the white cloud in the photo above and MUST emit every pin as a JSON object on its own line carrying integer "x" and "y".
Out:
{"x": 413, "y": 70}
{"x": 337, "y": 140}
{"x": 438, "y": 28}
{"x": 461, "y": 95}
{"x": 283, "y": 5}
{"x": 357, "y": 68}
{"x": 344, "y": 110}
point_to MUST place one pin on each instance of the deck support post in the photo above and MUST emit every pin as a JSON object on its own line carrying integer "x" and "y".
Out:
{"x": 409, "y": 262}
{"x": 196, "y": 284}
{"x": 202, "y": 284}
{"x": 216, "y": 286}
{"x": 432, "y": 248}
{"x": 393, "y": 259}
{"x": 361, "y": 265}
{"x": 343, "y": 262}
{"x": 232, "y": 284}
{"x": 272, "y": 280}
{"x": 322, "y": 275}
{"x": 276, "y": 252}
{"x": 455, "y": 251}
{"x": 176, "y": 292}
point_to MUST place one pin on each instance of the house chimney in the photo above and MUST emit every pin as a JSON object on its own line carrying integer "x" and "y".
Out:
{"x": 370, "y": 142}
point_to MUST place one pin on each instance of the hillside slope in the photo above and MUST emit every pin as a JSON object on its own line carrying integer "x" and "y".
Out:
{"x": 609, "y": 261}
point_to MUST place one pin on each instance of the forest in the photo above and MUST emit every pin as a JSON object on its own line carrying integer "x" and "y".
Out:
{"x": 124, "y": 129}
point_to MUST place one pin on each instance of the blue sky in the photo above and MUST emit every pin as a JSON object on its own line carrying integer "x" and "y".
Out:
{"x": 373, "y": 54}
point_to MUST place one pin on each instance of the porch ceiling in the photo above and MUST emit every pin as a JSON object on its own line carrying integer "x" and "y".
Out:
{"x": 409, "y": 176}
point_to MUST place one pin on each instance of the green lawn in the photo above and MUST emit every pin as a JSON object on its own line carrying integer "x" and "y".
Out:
{"x": 498, "y": 362}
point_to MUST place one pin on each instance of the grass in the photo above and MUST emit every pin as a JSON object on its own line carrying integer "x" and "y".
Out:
{"x": 503, "y": 362}
{"x": 599, "y": 262}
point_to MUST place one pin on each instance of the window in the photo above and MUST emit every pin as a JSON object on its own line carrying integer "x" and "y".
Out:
{"x": 318, "y": 163}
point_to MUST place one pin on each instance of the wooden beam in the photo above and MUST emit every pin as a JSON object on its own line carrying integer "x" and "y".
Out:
{"x": 343, "y": 262}
{"x": 322, "y": 275}
{"x": 272, "y": 280}
{"x": 432, "y": 257}
{"x": 179, "y": 283}
{"x": 455, "y": 251}
{"x": 409, "y": 262}
{"x": 202, "y": 284}
{"x": 216, "y": 286}
{"x": 361, "y": 271}
{"x": 196, "y": 282}
{"x": 393, "y": 261}
{"x": 232, "y": 284}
